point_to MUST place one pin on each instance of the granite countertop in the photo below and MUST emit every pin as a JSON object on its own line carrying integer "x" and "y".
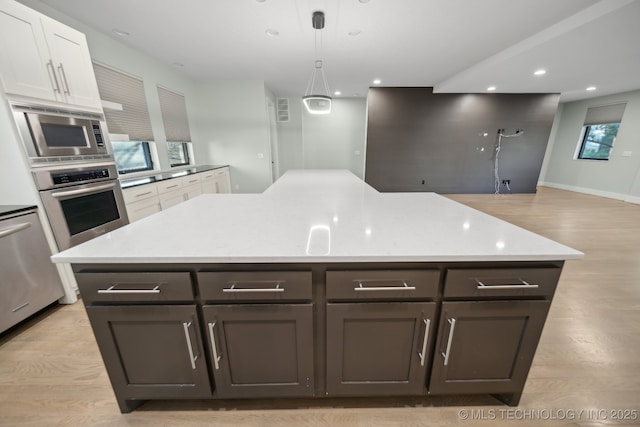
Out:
{"x": 6, "y": 210}
{"x": 126, "y": 182}
{"x": 318, "y": 216}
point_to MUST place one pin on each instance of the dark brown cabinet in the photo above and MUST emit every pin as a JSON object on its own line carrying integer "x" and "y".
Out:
{"x": 378, "y": 348}
{"x": 261, "y": 350}
{"x": 202, "y": 332}
{"x": 379, "y": 331}
{"x": 486, "y": 346}
{"x": 260, "y": 332}
{"x": 151, "y": 352}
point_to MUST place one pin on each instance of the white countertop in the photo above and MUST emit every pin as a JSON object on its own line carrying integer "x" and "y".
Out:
{"x": 318, "y": 216}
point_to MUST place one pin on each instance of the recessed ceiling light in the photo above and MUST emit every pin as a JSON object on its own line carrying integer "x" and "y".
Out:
{"x": 354, "y": 32}
{"x": 271, "y": 32}
{"x": 377, "y": 81}
{"x": 337, "y": 93}
{"x": 491, "y": 88}
{"x": 540, "y": 72}
{"x": 261, "y": 1}
{"x": 591, "y": 88}
{"x": 121, "y": 33}
{"x": 364, "y": 1}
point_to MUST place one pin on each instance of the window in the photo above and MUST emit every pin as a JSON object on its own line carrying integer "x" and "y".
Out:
{"x": 599, "y": 131}
{"x": 132, "y": 156}
{"x": 176, "y": 126}
{"x": 597, "y": 141}
{"x": 127, "y": 118}
{"x": 178, "y": 153}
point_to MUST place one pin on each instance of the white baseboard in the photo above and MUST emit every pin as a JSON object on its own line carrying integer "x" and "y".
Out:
{"x": 593, "y": 192}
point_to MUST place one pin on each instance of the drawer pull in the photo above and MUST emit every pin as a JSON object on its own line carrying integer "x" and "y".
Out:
{"x": 144, "y": 194}
{"x": 404, "y": 287}
{"x": 423, "y": 355}
{"x": 111, "y": 290}
{"x": 234, "y": 289}
{"x": 185, "y": 326}
{"x": 173, "y": 186}
{"x": 452, "y": 322}
{"x": 523, "y": 285}
{"x": 212, "y": 336}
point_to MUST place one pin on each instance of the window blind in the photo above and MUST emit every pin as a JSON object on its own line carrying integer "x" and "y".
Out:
{"x": 174, "y": 115}
{"x": 128, "y": 91}
{"x": 605, "y": 114}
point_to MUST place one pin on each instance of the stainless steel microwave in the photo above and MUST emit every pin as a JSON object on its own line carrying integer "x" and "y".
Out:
{"x": 56, "y": 135}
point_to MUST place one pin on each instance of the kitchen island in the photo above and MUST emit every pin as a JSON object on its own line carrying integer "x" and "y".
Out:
{"x": 320, "y": 286}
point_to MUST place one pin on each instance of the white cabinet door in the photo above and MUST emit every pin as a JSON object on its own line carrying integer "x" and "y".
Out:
{"x": 223, "y": 180}
{"x": 171, "y": 198}
{"x": 143, "y": 208}
{"x": 44, "y": 59}
{"x": 70, "y": 55}
{"x": 209, "y": 182}
{"x": 25, "y": 65}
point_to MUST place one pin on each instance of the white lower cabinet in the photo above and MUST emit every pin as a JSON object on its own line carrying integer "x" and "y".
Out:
{"x": 144, "y": 200}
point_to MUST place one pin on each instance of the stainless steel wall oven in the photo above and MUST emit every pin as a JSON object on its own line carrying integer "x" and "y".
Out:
{"x": 82, "y": 202}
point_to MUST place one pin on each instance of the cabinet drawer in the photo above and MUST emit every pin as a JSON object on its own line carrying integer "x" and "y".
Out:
{"x": 498, "y": 282}
{"x": 141, "y": 192}
{"x": 169, "y": 185}
{"x": 371, "y": 285}
{"x": 135, "y": 287}
{"x": 255, "y": 286}
{"x": 190, "y": 179}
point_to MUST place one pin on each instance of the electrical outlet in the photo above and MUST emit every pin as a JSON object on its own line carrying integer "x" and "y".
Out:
{"x": 506, "y": 181}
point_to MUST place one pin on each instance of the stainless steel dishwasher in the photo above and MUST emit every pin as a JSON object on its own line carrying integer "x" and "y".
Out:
{"x": 28, "y": 279}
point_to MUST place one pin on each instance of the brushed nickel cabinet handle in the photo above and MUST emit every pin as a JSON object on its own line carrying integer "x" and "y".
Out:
{"x": 447, "y": 352}
{"x": 212, "y": 336}
{"x": 64, "y": 79}
{"x": 404, "y": 287}
{"x": 423, "y": 355}
{"x": 193, "y": 358}
{"x": 11, "y": 230}
{"x": 144, "y": 194}
{"x": 53, "y": 77}
{"x": 523, "y": 285}
{"x": 112, "y": 290}
{"x": 234, "y": 289}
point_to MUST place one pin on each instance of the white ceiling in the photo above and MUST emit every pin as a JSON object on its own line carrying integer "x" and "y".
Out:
{"x": 453, "y": 45}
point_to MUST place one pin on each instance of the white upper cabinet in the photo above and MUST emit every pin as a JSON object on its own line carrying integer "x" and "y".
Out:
{"x": 44, "y": 59}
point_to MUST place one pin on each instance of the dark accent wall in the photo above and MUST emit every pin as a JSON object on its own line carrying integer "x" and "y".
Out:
{"x": 421, "y": 141}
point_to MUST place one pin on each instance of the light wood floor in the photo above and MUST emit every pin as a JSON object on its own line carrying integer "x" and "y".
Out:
{"x": 51, "y": 373}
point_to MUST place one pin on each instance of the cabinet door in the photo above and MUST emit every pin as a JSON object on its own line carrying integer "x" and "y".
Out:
{"x": 151, "y": 352}
{"x": 171, "y": 198}
{"x": 261, "y": 350}
{"x": 486, "y": 346}
{"x": 223, "y": 181}
{"x": 25, "y": 65}
{"x": 209, "y": 183}
{"x": 72, "y": 63}
{"x": 143, "y": 208}
{"x": 378, "y": 348}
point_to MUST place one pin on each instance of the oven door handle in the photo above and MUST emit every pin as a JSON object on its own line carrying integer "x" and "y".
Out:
{"x": 61, "y": 194}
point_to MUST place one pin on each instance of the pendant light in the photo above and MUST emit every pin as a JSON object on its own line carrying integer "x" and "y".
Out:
{"x": 317, "y": 101}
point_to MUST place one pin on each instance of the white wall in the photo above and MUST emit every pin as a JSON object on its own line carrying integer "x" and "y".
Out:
{"x": 231, "y": 118}
{"x": 619, "y": 177}
{"x": 329, "y": 141}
